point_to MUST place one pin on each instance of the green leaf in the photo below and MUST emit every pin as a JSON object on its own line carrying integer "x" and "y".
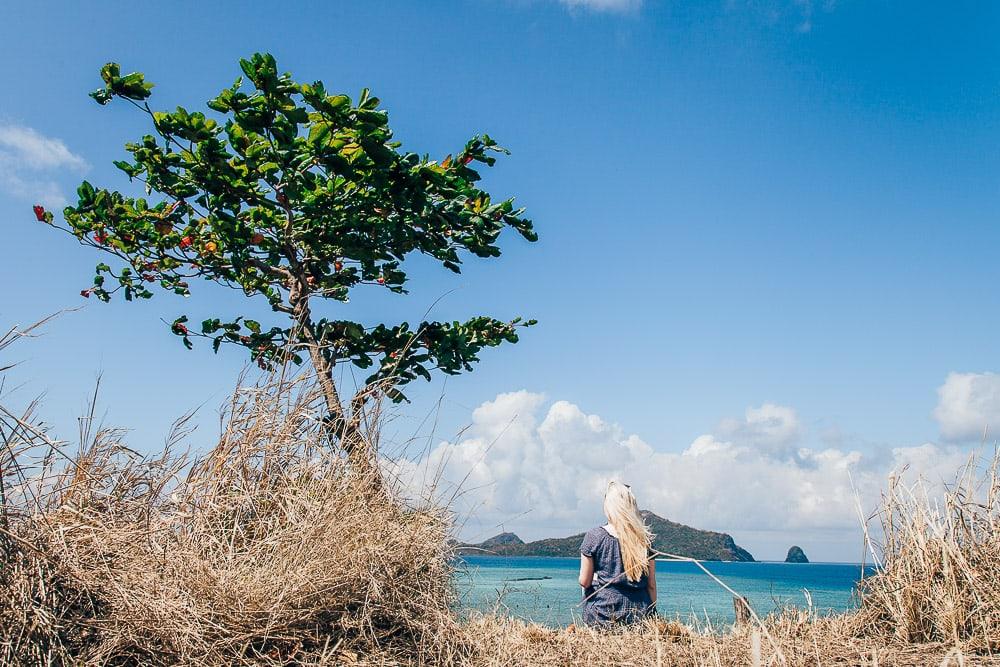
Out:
{"x": 102, "y": 96}
{"x": 319, "y": 133}
{"x": 110, "y": 72}
{"x": 247, "y": 68}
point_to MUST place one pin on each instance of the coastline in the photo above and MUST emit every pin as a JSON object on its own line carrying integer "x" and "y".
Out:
{"x": 543, "y": 589}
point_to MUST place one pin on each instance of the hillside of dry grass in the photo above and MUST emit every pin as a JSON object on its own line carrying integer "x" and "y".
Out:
{"x": 267, "y": 549}
{"x": 271, "y": 549}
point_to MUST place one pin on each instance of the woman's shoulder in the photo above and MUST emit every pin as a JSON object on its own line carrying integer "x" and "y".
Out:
{"x": 598, "y": 532}
{"x": 591, "y": 539}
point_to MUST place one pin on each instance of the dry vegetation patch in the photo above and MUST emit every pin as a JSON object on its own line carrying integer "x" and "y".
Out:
{"x": 267, "y": 549}
{"x": 801, "y": 641}
{"x": 272, "y": 549}
{"x": 939, "y": 575}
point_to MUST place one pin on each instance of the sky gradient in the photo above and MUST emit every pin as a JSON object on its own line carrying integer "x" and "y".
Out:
{"x": 740, "y": 204}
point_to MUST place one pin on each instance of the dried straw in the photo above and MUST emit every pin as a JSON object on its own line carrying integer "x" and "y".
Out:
{"x": 267, "y": 549}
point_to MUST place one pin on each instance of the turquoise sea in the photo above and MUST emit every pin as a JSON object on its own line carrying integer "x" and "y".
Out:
{"x": 545, "y": 589}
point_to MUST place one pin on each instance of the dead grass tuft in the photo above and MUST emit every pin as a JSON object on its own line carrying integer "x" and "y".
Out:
{"x": 939, "y": 580}
{"x": 268, "y": 549}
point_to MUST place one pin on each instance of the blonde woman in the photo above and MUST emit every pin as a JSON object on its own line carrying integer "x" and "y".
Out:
{"x": 617, "y": 571}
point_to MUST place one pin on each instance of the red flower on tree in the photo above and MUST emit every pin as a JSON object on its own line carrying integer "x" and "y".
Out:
{"x": 186, "y": 242}
{"x": 39, "y": 212}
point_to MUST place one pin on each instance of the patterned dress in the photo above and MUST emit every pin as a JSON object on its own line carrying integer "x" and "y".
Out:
{"x": 612, "y": 598}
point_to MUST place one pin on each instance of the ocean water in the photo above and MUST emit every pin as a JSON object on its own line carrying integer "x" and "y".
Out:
{"x": 545, "y": 589}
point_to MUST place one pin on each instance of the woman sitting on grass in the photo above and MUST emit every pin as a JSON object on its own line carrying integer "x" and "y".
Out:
{"x": 617, "y": 571}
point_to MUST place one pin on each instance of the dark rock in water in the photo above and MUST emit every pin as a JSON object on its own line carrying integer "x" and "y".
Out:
{"x": 669, "y": 537}
{"x": 796, "y": 555}
{"x": 531, "y": 578}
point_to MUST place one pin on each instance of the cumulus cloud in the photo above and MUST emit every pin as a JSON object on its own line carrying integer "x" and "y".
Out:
{"x": 772, "y": 428}
{"x": 29, "y": 162}
{"x": 603, "y": 5}
{"x": 968, "y": 403}
{"x": 541, "y": 468}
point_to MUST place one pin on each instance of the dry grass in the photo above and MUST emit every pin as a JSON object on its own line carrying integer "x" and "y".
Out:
{"x": 940, "y": 576}
{"x": 271, "y": 549}
{"x": 268, "y": 549}
{"x": 803, "y": 641}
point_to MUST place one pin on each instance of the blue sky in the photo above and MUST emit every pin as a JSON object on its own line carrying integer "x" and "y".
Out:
{"x": 740, "y": 204}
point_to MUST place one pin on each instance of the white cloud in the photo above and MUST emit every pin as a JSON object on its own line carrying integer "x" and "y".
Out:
{"x": 541, "y": 471}
{"x": 29, "y": 161}
{"x": 772, "y": 428}
{"x": 36, "y": 150}
{"x": 968, "y": 403}
{"x": 603, "y": 5}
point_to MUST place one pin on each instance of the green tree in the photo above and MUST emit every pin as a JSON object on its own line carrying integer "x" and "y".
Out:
{"x": 291, "y": 194}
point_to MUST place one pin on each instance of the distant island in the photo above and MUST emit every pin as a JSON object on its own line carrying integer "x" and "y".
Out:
{"x": 669, "y": 537}
{"x": 796, "y": 555}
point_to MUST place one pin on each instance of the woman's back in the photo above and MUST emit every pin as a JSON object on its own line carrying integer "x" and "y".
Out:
{"x": 609, "y": 567}
{"x": 612, "y": 597}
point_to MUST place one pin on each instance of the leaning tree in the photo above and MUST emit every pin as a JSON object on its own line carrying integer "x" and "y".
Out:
{"x": 290, "y": 193}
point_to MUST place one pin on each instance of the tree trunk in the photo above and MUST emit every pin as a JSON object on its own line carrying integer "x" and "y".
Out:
{"x": 343, "y": 429}
{"x": 324, "y": 374}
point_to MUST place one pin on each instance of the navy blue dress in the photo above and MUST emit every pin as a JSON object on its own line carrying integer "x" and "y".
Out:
{"x": 612, "y": 598}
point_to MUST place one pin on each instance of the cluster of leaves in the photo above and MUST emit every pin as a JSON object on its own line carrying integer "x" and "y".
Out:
{"x": 404, "y": 354}
{"x": 291, "y": 193}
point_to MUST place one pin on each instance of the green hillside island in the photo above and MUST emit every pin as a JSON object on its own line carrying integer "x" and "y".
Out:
{"x": 668, "y": 537}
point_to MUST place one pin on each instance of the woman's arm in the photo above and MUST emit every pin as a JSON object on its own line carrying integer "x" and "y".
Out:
{"x": 586, "y": 571}
{"x": 651, "y": 584}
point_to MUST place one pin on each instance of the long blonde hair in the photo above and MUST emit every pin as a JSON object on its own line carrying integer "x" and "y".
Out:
{"x": 634, "y": 537}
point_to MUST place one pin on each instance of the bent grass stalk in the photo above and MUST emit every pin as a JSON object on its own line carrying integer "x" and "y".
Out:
{"x": 749, "y": 608}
